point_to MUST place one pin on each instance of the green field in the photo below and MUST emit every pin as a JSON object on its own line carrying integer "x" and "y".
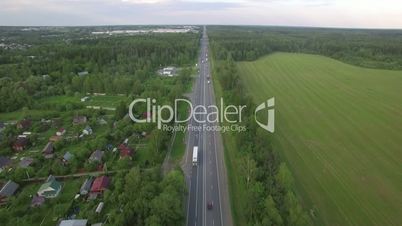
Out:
{"x": 339, "y": 127}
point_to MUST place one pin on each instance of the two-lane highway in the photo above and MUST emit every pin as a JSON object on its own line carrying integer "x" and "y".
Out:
{"x": 207, "y": 180}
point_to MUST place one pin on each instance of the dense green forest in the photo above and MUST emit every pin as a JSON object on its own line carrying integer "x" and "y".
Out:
{"x": 115, "y": 65}
{"x": 367, "y": 48}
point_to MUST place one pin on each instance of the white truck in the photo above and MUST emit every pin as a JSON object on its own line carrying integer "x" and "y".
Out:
{"x": 195, "y": 155}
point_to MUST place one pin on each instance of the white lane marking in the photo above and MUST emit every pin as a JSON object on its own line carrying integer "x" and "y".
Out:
{"x": 196, "y": 196}
{"x": 204, "y": 154}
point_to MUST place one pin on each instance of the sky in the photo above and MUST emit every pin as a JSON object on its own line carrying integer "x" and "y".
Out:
{"x": 316, "y": 13}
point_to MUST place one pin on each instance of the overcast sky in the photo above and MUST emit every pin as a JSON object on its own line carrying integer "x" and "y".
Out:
{"x": 321, "y": 13}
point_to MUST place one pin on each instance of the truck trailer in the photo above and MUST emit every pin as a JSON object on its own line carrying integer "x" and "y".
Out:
{"x": 195, "y": 155}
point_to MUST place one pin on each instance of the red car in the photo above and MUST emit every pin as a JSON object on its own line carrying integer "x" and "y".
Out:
{"x": 210, "y": 205}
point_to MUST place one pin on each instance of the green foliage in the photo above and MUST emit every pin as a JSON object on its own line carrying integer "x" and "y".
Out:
{"x": 266, "y": 179}
{"x": 367, "y": 48}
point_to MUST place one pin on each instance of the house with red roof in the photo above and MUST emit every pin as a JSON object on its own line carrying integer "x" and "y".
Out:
{"x": 100, "y": 184}
{"x": 125, "y": 151}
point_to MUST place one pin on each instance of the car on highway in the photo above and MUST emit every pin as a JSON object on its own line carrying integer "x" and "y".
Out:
{"x": 210, "y": 205}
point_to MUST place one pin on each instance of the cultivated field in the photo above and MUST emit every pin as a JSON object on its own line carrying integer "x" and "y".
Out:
{"x": 340, "y": 129}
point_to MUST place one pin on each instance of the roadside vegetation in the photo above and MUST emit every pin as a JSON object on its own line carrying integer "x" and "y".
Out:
{"x": 261, "y": 185}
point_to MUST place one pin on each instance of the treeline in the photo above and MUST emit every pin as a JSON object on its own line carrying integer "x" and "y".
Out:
{"x": 367, "y": 48}
{"x": 114, "y": 64}
{"x": 268, "y": 182}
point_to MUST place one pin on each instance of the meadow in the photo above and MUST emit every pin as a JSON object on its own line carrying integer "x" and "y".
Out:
{"x": 338, "y": 127}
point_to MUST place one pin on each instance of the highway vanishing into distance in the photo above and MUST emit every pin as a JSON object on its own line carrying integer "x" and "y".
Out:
{"x": 207, "y": 182}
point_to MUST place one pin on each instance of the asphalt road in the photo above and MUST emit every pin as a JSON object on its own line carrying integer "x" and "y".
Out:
{"x": 207, "y": 181}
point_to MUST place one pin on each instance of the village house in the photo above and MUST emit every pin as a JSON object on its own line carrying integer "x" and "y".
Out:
{"x": 75, "y": 222}
{"x": 21, "y": 143}
{"x": 4, "y": 163}
{"x": 37, "y": 201}
{"x": 96, "y": 156}
{"x": 25, "y": 162}
{"x": 67, "y": 157}
{"x": 100, "y": 184}
{"x": 7, "y": 191}
{"x": 79, "y": 120}
{"x": 86, "y": 186}
{"x": 48, "y": 151}
{"x": 61, "y": 132}
{"x": 125, "y": 151}
{"x": 87, "y": 130}
{"x": 24, "y": 124}
{"x": 50, "y": 189}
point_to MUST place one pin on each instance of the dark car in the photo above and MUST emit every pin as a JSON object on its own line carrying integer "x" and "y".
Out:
{"x": 210, "y": 205}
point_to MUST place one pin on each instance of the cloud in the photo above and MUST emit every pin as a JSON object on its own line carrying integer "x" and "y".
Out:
{"x": 333, "y": 13}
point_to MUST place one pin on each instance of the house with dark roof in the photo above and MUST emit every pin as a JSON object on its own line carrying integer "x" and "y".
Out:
{"x": 25, "y": 162}
{"x": 7, "y": 191}
{"x": 2, "y": 126}
{"x": 100, "y": 184}
{"x": 37, "y": 201}
{"x": 48, "y": 151}
{"x": 96, "y": 156}
{"x": 125, "y": 151}
{"x": 67, "y": 157}
{"x": 86, "y": 186}
{"x": 50, "y": 189}
{"x": 4, "y": 163}
{"x": 20, "y": 143}
{"x": 24, "y": 124}
{"x": 79, "y": 120}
